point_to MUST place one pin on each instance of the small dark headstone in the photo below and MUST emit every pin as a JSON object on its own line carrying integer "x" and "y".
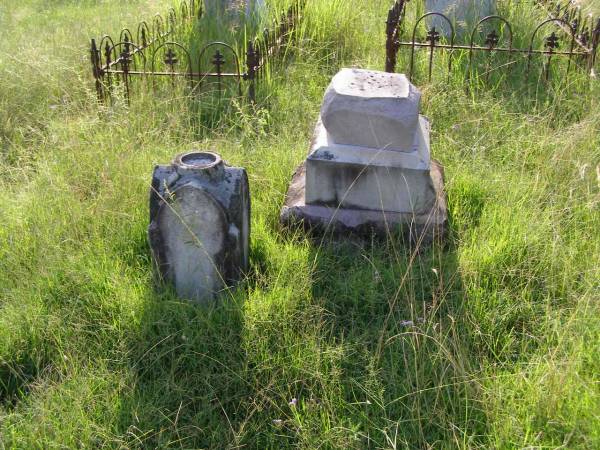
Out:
{"x": 199, "y": 224}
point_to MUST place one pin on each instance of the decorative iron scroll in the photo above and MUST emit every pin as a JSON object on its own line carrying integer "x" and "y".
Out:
{"x": 568, "y": 37}
{"x": 153, "y": 53}
{"x": 585, "y": 27}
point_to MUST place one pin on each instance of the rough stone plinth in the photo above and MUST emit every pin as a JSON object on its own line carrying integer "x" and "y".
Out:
{"x": 424, "y": 227}
{"x": 199, "y": 224}
{"x": 463, "y": 14}
{"x": 369, "y": 166}
{"x": 373, "y": 109}
{"x": 367, "y": 178}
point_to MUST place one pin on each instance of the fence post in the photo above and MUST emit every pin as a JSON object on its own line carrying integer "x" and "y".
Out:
{"x": 391, "y": 31}
{"x": 96, "y": 69}
{"x": 125, "y": 60}
{"x": 200, "y": 9}
{"x": 251, "y": 67}
{"x": 594, "y": 46}
{"x": 390, "y": 57}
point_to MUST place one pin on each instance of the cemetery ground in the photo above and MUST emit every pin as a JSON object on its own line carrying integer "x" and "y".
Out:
{"x": 490, "y": 341}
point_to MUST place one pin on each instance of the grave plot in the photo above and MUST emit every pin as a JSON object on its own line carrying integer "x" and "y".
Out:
{"x": 490, "y": 47}
{"x": 175, "y": 49}
{"x": 369, "y": 166}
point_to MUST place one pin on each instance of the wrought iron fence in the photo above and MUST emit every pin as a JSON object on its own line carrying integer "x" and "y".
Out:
{"x": 154, "y": 53}
{"x": 494, "y": 35}
{"x": 585, "y": 26}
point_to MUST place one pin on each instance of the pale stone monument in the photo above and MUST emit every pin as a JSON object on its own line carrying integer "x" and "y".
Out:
{"x": 369, "y": 165}
{"x": 463, "y": 14}
{"x": 231, "y": 9}
{"x": 199, "y": 224}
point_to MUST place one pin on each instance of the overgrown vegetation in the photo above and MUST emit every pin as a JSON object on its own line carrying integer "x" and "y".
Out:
{"x": 489, "y": 342}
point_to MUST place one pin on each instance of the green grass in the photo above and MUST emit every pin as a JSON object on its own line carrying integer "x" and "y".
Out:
{"x": 590, "y": 6}
{"x": 504, "y": 348}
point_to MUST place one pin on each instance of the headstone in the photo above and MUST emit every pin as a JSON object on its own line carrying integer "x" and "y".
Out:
{"x": 463, "y": 14}
{"x": 199, "y": 224}
{"x": 369, "y": 164}
{"x": 254, "y": 7}
{"x": 232, "y": 9}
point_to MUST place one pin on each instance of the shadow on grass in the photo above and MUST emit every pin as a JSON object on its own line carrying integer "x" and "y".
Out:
{"x": 17, "y": 375}
{"x": 399, "y": 314}
{"x": 186, "y": 366}
{"x": 375, "y": 355}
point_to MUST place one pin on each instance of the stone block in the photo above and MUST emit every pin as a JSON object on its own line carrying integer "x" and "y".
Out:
{"x": 420, "y": 228}
{"x": 373, "y": 109}
{"x": 369, "y": 166}
{"x": 367, "y": 178}
{"x": 463, "y": 14}
{"x": 231, "y": 9}
{"x": 418, "y": 158}
{"x": 199, "y": 224}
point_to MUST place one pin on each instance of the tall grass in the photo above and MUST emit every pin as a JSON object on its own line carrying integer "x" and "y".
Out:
{"x": 489, "y": 341}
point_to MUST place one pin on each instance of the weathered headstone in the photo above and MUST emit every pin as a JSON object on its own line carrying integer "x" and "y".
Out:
{"x": 463, "y": 14}
{"x": 369, "y": 164}
{"x": 230, "y": 9}
{"x": 254, "y": 7}
{"x": 199, "y": 224}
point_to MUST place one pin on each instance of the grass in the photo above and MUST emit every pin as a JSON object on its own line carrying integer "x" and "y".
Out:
{"x": 503, "y": 347}
{"x": 590, "y": 7}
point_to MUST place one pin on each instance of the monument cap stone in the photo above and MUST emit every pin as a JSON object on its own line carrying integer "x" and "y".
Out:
{"x": 199, "y": 163}
{"x": 371, "y": 109}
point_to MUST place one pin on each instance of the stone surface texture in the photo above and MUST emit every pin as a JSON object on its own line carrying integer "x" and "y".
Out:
{"x": 366, "y": 178}
{"x": 424, "y": 228}
{"x": 463, "y": 14}
{"x": 371, "y": 109}
{"x": 349, "y": 182}
{"x": 199, "y": 224}
{"x": 221, "y": 8}
{"x": 323, "y": 144}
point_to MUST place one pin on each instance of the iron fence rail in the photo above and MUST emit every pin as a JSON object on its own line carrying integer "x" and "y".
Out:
{"x": 582, "y": 39}
{"x": 152, "y": 55}
{"x": 585, "y": 26}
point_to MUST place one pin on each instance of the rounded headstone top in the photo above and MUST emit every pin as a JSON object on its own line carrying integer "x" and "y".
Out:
{"x": 371, "y": 109}
{"x": 199, "y": 162}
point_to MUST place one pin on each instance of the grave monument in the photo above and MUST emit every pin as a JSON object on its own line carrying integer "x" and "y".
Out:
{"x": 199, "y": 224}
{"x": 463, "y": 14}
{"x": 232, "y": 9}
{"x": 369, "y": 164}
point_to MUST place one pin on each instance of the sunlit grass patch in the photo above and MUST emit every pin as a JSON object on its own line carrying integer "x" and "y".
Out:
{"x": 488, "y": 341}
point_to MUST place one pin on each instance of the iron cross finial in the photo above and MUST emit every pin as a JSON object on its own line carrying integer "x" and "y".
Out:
{"x": 125, "y": 56}
{"x": 552, "y": 41}
{"x": 492, "y": 39}
{"x": 171, "y": 58}
{"x": 432, "y": 36}
{"x": 218, "y": 61}
{"x": 107, "y": 51}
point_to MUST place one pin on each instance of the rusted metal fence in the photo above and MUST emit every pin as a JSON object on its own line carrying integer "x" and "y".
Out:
{"x": 153, "y": 52}
{"x": 563, "y": 36}
{"x": 585, "y": 26}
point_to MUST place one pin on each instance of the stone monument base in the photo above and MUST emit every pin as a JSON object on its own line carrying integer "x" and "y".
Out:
{"x": 424, "y": 227}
